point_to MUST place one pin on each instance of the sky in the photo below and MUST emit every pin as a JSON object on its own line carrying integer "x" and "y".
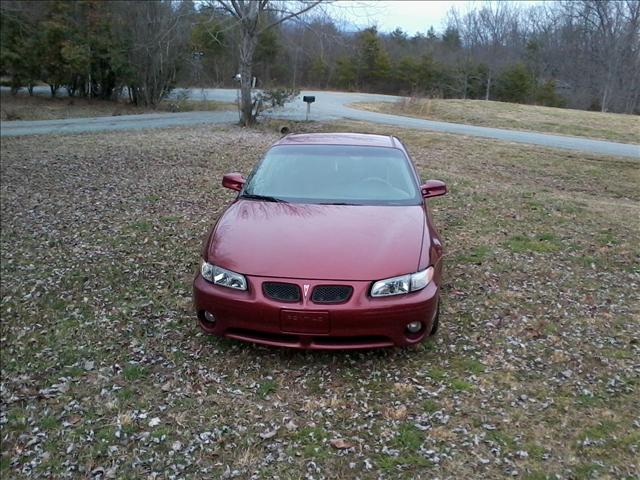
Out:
{"x": 412, "y": 16}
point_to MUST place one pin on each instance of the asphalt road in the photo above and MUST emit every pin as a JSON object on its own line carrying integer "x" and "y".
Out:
{"x": 328, "y": 106}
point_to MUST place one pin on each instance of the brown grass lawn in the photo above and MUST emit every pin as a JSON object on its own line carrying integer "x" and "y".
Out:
{"x": 534, "y": 373}
{"x": 609, "y": 126}
{"x": 24, "y": 107}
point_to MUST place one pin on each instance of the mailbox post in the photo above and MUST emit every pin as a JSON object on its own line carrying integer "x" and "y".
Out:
{"x": 308, "y": 99}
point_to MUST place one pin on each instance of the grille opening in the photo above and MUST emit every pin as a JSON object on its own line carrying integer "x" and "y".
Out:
{"x": 283, "y": 292}
{"x": 331, "y": 293}
{"x": 371, "y": 340}
{"x": 254, "y": 335}
{"x": 366, "y": 342}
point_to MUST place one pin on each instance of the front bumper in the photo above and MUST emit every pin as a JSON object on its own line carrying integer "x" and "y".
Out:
{"x": 361, "y": 322}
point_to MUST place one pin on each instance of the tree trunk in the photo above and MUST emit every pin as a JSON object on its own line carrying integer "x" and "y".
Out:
{"x": 295, "y": 68}
{"x": 466, "y": 85}
{"x": 247, "y": 48}
{"x": 488, "y": 86}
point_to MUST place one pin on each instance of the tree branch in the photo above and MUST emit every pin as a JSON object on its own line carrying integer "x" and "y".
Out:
{"x": 226, "y": 7}
{"x": 290, "y": 15}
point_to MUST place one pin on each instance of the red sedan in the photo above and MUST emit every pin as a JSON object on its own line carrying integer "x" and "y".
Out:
{"x": 328, "y": 245}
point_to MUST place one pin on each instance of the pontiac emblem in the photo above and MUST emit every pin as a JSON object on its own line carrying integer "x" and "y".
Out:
{"x": 306, "y": 290}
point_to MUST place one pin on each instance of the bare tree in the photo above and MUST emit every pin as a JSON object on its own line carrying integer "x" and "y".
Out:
{"x": 312, "y": 49}
{"x": 253, "y": 18}
{"x": 158, "y": 36}
{"x": 492, "y": 34}
{"x": 610, "y": 30}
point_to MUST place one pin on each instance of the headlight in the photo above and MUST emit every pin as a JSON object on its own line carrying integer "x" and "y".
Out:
{"x": 223, "y": 277}
{"x": 402, "y": 284}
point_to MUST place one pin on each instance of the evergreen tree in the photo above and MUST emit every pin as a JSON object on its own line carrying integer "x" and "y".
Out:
{"x": 346, "y": 73}
{"x": 515, "y": 84}
{"x": 373, "y": 61}
{"x": 20, "y": 51}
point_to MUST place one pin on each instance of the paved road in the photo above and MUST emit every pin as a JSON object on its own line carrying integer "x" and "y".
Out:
{"x": 328, "y": 106}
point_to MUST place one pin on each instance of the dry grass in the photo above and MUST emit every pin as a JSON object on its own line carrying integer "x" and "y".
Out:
{"x": 24, "y": 107}
{"x": 608, "y": 126}
{"x": 534, "y": 373}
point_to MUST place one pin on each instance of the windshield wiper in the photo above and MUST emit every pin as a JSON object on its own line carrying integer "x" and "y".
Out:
{"x": 264, "y": 198}
{"x": 337, "y": 203}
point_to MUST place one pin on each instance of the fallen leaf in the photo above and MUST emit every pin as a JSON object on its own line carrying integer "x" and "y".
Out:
{"x": 268, "y": 435}
{"x": 73, "y": 420}
{"x": 341, "y": 443}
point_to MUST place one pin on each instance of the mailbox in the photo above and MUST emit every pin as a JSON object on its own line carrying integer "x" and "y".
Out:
{"x": 308, "y": 99}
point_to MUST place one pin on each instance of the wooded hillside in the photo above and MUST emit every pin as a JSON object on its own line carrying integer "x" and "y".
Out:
{"x": 580, "y": 54}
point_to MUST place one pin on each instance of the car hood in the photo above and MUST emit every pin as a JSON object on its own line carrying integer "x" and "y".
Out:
{"x": 330, "y": 242}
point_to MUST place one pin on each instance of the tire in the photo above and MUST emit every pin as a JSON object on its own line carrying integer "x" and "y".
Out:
{"x": 436, "y": 322}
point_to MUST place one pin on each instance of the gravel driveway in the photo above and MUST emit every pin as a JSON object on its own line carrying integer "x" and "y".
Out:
{"x": 329, "y": 106}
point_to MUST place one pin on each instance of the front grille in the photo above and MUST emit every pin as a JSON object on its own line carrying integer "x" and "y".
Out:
{"x": 283, "y": 292}
{"x": 331, "y": 293}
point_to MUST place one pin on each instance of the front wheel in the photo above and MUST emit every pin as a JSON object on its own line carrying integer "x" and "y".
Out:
{"x": 436, "y": 322}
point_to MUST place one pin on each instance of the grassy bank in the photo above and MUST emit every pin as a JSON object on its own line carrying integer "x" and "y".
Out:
{"x": 607, "y": 126}
{"x": 24, "y": 107}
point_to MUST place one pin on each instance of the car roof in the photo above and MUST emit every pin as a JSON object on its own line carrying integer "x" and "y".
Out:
{"x": 355, "y": 139}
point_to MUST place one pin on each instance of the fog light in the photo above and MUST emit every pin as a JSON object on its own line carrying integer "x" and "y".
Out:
{"x": 208, "y": 316}
{"x": 414, "y": 327}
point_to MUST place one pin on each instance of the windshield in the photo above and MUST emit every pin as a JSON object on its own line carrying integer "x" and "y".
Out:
{"x": 334, "y": 174}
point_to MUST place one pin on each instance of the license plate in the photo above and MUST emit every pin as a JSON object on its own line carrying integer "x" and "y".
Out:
{"x": 303, "y": 321}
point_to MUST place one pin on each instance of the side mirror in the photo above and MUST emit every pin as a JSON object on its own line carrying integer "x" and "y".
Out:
{"x": 433, "y": 188}
{"x": 233, "y": 181}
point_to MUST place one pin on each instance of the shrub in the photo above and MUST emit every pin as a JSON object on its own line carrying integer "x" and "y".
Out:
{"x": 547, "y": 95}
{"x": 514, "y": 84}
{"x": 273, "y": 98}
